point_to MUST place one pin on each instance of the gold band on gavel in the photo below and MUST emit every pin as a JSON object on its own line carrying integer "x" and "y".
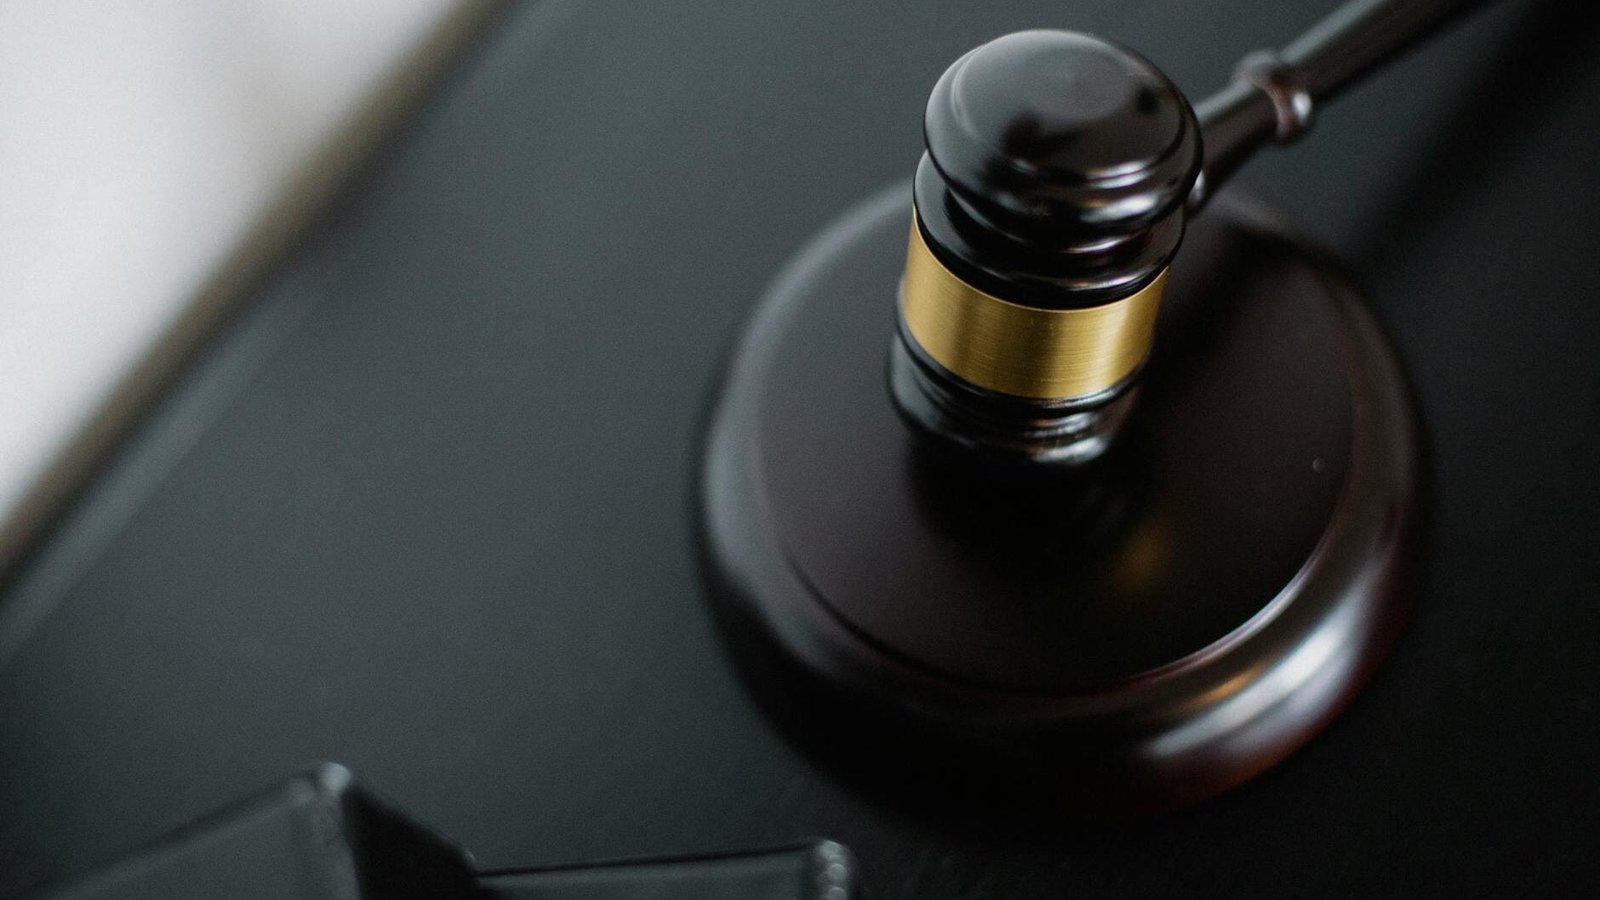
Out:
{"x": 1023, "y": 351}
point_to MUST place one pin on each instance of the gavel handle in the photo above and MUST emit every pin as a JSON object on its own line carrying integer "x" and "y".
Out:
{"x": 1274, "y": 95}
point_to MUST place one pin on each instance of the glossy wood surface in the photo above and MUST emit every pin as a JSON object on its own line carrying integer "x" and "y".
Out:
{"x": 1057, "y": 168}
{"x": 1124, "y": 636}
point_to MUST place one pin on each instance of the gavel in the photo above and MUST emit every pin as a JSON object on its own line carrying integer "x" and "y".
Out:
{"x": 1132, "y": 504}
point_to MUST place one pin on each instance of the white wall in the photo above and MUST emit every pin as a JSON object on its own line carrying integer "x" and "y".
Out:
{"x": 141, "y": 145}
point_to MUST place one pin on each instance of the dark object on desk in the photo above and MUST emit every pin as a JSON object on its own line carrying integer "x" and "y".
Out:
{"x": 1122, "y": 639}
{"x": 320, "y": 836}
{"x": 1124, "y": 546}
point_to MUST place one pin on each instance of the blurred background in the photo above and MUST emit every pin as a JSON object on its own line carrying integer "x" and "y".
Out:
{"x": 156, "y": 154}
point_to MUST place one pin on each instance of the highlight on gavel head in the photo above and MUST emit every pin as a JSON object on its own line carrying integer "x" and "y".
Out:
{"x": 963, "y": 606}
{"x": 1046, "y": 210}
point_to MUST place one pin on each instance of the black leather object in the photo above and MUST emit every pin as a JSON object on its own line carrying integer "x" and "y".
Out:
{"x": 321, "y": 836}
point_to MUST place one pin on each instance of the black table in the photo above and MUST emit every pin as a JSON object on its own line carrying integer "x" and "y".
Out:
{"x": 424, "y": 507}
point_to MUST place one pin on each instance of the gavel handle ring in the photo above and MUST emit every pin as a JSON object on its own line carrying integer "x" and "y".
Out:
{"x": 1274, "y": 94}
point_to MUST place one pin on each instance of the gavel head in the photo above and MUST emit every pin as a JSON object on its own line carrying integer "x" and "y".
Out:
{"x": 1048, "y": 206}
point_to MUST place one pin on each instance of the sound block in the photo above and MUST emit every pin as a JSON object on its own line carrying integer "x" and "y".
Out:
{"x": 1118, "y": 638}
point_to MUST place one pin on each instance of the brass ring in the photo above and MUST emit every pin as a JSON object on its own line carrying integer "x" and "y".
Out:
{"x": 1023, "y": 351}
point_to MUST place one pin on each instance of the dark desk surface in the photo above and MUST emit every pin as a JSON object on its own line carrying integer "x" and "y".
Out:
{"x": 424, "y": 509}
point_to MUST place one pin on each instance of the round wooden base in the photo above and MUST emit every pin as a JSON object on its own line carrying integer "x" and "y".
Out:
{"x": 1124, "y": 637}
